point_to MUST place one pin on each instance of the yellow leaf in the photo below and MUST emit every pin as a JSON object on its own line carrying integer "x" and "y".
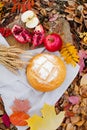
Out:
{"x": 1, "y": 4}
{"x": 49, "y": 120}
{"x": 70, "y": 54}
{"x": 83, "y": 36}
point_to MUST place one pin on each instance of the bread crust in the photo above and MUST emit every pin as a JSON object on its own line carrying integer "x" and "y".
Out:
{"x": 46, "y": 72}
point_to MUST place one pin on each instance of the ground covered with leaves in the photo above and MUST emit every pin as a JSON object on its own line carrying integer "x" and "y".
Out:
{"x": 69, "y": 19}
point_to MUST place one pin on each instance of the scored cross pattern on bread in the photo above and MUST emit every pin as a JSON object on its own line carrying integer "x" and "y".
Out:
{"x": 46, "y": 72}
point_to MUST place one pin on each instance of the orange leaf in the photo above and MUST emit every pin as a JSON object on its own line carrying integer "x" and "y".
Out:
{"x": 70, "y": 113}
{"x": 14, "y": 8}
{"x": 19, "y": 6}
{"x": 23, "y": 0}
{"x": 14, "y": 1}
{"x": 29, "y": 5}
{"x": 18, "y": 118}
{"x": 32, "y": 2}
{"x": 23, "y": 8}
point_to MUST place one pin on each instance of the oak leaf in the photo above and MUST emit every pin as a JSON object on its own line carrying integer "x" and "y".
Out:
{"x": 49, "y": 120}
{"x": 20, "y": 105}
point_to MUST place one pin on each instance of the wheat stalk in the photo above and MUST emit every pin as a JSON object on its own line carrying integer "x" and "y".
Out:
{"x": 10, "y": 57}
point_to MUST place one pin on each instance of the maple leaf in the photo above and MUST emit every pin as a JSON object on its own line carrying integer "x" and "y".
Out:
{"x": 49, "y": 120}
{"x": 19, "y": 118}
{"x": 20, "y": 105}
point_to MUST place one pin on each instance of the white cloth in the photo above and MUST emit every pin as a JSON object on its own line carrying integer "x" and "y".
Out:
{"x": 16, "y": 86}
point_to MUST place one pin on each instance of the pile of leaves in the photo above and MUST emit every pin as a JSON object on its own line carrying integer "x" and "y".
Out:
{"x": 74, "y": 100}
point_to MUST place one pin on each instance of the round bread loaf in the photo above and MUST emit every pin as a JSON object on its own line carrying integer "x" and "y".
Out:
{"x": 46, "y": 72}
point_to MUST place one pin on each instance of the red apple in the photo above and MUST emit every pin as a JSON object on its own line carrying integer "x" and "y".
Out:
{"x": 53, "y": 42}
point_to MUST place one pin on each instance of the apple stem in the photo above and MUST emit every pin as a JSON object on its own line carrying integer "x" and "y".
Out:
{"x": 51, "y": 40}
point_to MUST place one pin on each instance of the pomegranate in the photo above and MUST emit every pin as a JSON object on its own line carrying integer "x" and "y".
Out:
{"x": 38, "y": 36}
{"x": 21, "y": 34}
{"x": 5, "y": 31}
{"x": 53, "y": 42}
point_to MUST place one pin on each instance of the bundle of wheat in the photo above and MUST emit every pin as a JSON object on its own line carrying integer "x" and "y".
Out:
{"x": 10, "y": 57}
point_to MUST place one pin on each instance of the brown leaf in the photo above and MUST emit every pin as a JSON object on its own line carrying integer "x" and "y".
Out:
{"x": 80, "y": 123}
{"x": 83, "y": 80}
{"x": 78, "y": 20}
{"x": 85, "y": 21}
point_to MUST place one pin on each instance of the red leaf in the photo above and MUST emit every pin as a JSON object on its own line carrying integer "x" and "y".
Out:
{"x": 32, "y": 2}
{"x": 23, "y": 7}
{"x": 6, "y": 120}
{"x": 19, "y": 6}
{"x": 14, "y": 1}
{"x": 29, "y": 5}
{"x": 14, "y": 8}
{"x": 70, "y": 113}
{"x": 67, "y": 107}
{"x": 23, "y": 0}
{"x": 20, "y": 105}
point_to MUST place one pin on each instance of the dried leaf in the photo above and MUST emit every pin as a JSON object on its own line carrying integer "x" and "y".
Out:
{"x": 28, "y": 5}
{"x": 32, "y": 2}
{"x": 74, "y": 99}
{"x": 6, "y": 120}
{"x": 70, "y": 54}
{"x": 23, "y": 0}
{"x": 48, "y": 121}
{"x": 83, "y": 80}
{"x": 83, "y": 36}
{"x": 53, "y": 18}
{"x": 82, "y": 55}
{"x": 19, "y": 6}
{"x": 19, "y": 118}
{"x": 23, "y": 7}
{"x": 1, "y": 5}
{"x": 20, "y": 105}
{"x": 70, "y": 114}
{"x": 14, "y": 8}
{"x": 80, "y": 123}
{"x": 69, "y": 126}
{"x": 14, "y": 1}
